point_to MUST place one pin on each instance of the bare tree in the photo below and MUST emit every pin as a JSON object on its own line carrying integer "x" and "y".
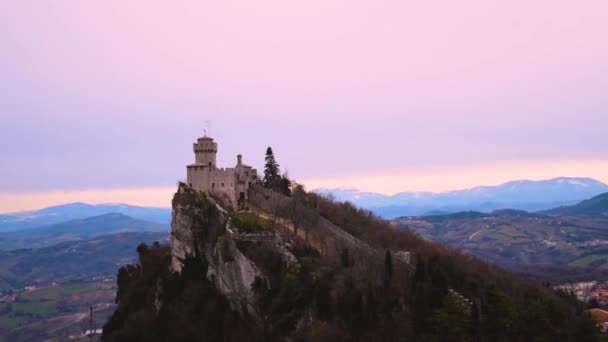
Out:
{"x": 309, "y": 220}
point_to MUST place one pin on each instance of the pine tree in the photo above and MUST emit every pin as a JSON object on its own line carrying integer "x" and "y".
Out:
{"x": 285, "y": 185}
{"x": 271, "y": 170}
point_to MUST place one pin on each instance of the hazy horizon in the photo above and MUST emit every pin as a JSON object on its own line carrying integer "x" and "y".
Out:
{"x": 159, "y": 197}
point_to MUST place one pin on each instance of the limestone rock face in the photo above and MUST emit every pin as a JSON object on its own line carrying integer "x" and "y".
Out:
{"x": 195, "y": 222}
{"x": 199, "y": 229}
{"x": 182, "y": 239}
{"x": 234, "y": 274}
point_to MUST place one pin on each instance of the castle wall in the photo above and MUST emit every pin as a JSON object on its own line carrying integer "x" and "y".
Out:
{"x": 222, "y": 183}
{"x": 198, "y": 177}
{"x": 218, "y": 182}
{"x": 246, "y": 176}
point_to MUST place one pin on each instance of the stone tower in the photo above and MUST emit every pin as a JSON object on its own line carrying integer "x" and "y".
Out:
{"x": 205, "y": 152}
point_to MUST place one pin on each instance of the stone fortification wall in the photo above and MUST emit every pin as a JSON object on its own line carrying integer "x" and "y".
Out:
{"x": 228, "y": 184}
{"x": 216, "y": 182}
{"x": 326, "y": 236}
{"x": 198, "y": 177}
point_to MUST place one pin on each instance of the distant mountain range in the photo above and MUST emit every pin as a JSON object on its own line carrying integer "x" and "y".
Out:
{"x": 79, "y": 229}
{"x": 523, "y": 195}
{"x": 72, "y": 211}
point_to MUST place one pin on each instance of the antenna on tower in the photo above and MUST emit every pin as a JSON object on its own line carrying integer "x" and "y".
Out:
{"x": 208, "y": 127}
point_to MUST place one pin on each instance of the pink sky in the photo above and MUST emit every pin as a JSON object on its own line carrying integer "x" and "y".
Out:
{"x": 382, "y": 95}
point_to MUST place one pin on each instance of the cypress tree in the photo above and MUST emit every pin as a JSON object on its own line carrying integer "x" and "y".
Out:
{"x": 271, "y": 170}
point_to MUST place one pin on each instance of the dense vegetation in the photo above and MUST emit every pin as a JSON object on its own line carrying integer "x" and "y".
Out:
{"x": 504, "y": 307}
{"x": 191, "y": 310}
{"x": 444, "y": 295}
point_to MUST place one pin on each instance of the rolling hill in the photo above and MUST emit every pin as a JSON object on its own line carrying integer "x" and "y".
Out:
{"x": 71, "y": 211}
{"x": 72, "y": 260}
{"x": 79, "y": 229}
{"x": 546, "y": 246}
{"x": 597, "y": 205}
{"x": 71, "y": 277}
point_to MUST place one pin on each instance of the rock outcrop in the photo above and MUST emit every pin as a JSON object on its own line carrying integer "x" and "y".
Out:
{"x": 196, "y": 224}
{"x": 234, "y": 274}
{"x": 201, "y": 228}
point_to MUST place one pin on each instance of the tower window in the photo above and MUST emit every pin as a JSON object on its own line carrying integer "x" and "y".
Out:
{"x": 212, "y": 185}
{"x": 222, "y": 185}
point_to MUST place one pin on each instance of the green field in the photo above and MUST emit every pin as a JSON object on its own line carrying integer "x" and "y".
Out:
{"x": 51, "y": 301}
{"x": 57, "y": 292}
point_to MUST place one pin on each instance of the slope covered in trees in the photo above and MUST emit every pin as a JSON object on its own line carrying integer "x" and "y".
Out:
{"x": 293, "y": 265}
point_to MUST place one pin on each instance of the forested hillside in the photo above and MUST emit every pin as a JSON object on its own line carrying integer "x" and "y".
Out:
{"x": 323, "y": 271}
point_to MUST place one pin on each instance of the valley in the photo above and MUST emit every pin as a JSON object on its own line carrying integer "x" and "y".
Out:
{"x": 52, "y": 274}
{"x": 542, "y": 245}
{"x": 56, "y": 313}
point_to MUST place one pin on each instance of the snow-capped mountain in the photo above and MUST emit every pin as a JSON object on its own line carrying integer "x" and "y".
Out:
{"x": 522, "y": 194}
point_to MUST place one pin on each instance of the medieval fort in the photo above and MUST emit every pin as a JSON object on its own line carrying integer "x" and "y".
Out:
{"x": 231, "y": 184}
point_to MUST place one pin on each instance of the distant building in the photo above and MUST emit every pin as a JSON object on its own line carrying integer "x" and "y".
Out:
{"x": 231, "y": 184}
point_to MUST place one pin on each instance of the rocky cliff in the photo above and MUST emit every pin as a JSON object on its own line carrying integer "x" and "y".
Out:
{"x": 201, "y": 228}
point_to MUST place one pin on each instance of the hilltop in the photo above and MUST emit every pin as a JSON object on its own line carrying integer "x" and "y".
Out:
{"x": 291, "y": 265}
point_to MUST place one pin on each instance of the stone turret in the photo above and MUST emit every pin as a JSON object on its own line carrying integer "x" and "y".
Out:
{"x": 205, "y": 152}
